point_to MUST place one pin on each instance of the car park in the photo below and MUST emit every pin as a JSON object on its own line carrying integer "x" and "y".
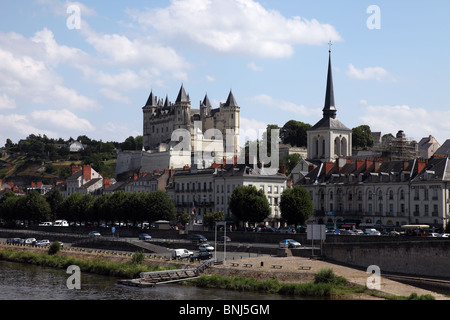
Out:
{"x": 144, "y": 236}
{"x": 289, "y": 244}
{"x": 205, "y": 247}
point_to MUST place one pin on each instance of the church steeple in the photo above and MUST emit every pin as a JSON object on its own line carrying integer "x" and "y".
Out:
{"x": 329, "y": 109}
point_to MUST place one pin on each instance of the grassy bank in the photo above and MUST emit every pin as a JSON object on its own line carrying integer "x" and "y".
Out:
{"x": 99, "y": 266}
{"x": 326, "y": 284}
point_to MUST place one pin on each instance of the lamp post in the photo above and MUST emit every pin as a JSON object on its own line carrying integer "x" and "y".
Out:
{"x": 224, "y": 224}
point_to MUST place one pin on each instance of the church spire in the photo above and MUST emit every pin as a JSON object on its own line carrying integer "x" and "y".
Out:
{"x": 329, "y": 109}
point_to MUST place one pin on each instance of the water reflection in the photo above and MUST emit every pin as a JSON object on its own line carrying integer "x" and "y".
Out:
{"x": 28, "y": 282}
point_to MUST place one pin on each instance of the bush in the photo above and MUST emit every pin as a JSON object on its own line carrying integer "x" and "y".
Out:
{"x": 138, "y": 257}
{"x": 328, "y": 276}
{"x": 54, "y": 248}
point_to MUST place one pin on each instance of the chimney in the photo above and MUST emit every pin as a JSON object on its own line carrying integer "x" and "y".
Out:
{"x": 421, "y": 164}
{"x": 359, "y": 163}
{"x": 106, "y": 182}
{"x": 39, "y": 184}
{"x": 87, "y": 173}
{"x": 135, "y": 177}
{"x": 311, "y": 167}
{"x": 33, "y": 184}
{"x": 369, "y": 163}
{"x": 75, "y": 169}
{"x": 328, "y": 166}
{"x": 405, "y": 165}
{"x": 283, "y": 170}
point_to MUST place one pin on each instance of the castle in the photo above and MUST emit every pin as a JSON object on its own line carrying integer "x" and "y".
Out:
{"x": 176, "y": 135}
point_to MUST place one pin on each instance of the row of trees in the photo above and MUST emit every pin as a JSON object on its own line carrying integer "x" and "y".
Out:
{"x": 120, "y": 206}
{"x": 249, "y": 204}
{"x": 246, "y": 203}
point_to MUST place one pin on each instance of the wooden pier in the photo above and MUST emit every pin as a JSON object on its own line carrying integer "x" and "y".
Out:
{"x": 150, "y": 279}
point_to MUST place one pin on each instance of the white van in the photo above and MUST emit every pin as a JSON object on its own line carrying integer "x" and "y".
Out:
{"x": 61, "y": 223}
{"x": 181, "y": 254}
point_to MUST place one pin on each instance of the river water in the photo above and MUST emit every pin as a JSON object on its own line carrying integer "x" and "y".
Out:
{"x": 27, "y": 282}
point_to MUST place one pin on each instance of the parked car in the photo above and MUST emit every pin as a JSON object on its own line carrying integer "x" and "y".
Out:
{"x": 445, "y": 235}
{"x": 45, "y": 224}
{"x": 94, "y": 234}
{"x": 197, "y": 237}
{"x": 434, "y": 235}
{"x": 202, "y": 255}
{"x": 30, "y": 240}
{"x": 205, "y": 247}
{"x": 144, "y": 236}
{"x": 224, "y": 238}
{"x": 181, "y": 254}
{"x": 287, "y": 230}
{"x": 289, "y": 243}
{"x": 61, "y": 223}
{"x": 13, "y": 240}
{"x": 372, "y": 232}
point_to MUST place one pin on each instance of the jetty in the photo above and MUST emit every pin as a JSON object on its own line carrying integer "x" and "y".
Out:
{"x": 151, "y": 279}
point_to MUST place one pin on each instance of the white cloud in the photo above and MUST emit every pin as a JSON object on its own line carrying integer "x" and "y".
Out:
{"x": 370, "y": 73}
{"x": 27, "y": 68}
{"x": 242, "y": 27}
{"x": 287, "y": 106}
{"x": 6, "y": 102}
{"x": 62, "y": 120}
{"x": 415, "y": 122}
{"x": 254, "y": 67}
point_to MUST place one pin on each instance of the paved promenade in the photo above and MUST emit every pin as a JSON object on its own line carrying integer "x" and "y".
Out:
{"x": 297, "y": 269}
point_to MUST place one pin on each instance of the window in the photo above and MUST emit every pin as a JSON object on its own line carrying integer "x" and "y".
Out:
{"x": 275, "y": 189}
{"x": 435, "y": 194}
{"x": 426, "y": 211}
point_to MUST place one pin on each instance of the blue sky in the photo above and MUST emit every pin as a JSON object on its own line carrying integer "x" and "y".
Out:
{"x": 273, "y": 54}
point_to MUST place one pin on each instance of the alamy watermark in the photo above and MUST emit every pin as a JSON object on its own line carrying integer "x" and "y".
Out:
{"x": 374, "y": 20}
{"x": 374, "y": 281}
{"x": 74, "y": 281}
{"x": 211, "y": 146}
{"x": 74, "y": 20}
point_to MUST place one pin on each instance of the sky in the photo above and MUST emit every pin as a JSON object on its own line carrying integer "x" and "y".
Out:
{"x": 87, "y": 68}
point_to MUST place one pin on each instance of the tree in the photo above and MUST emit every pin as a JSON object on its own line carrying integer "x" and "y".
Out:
{"x": 362, "y": 137}
{"x": 249, "y": 204}
{"x": 34, "y": 207}
{"x": 211, "y": 218}
{"x": 55, "y": 200}
{"x": 296, "y": 205}
{"x": 294, "y": 133}
{"x": 159, "y": 206}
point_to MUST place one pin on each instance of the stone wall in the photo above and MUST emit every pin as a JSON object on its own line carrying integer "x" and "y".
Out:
{"x": 421, "y": 258}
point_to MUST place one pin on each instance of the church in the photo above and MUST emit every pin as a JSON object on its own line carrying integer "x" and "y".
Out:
{"x": 329, "y": 139}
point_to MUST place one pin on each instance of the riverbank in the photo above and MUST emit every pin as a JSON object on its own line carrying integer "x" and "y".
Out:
{"x": 121, "y": 266}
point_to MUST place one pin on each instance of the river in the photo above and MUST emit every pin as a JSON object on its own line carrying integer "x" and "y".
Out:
{"x": 28, "y": 282}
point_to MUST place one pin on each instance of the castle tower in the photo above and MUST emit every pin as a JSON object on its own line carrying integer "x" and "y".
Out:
{"x": 329, "y": 139}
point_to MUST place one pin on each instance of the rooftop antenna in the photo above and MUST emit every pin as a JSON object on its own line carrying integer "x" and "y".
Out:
{"x": 329, "y": 45}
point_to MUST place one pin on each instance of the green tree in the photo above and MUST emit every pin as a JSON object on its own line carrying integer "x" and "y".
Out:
{"x": 55, "y": 200}
{"x": 296, "y": 205}
{"x": 159, "y": 206}
{"x": 34, "y": 207}
{"x": 249, "y": 204}
{"x": 294, "y": 133}
{"x": 362, "y": 137}
{"x": 211, "y": 218}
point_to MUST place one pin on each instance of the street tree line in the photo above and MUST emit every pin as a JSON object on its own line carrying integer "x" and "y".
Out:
{"x": 246, "y": 203}
{"x": 119, "y": 206}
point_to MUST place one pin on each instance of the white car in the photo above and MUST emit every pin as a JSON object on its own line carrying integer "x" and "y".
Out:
{"x": 181, "y": 254}
{"x": 42, "y": 243}
{"x": 289, "y": 243}
{"x": 30, "y": 240}
{"x": 205, "y": 247}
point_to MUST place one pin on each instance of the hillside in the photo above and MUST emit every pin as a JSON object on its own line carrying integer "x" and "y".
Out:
{"x": 40, "y": 159}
